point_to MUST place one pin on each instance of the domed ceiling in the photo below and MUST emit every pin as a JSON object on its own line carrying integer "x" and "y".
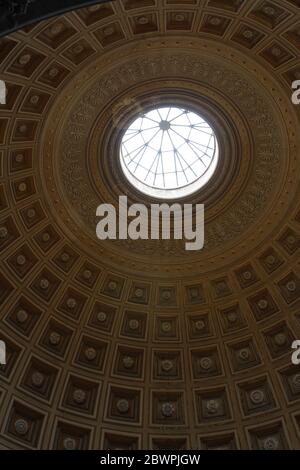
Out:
{"x": 142, "y": 344}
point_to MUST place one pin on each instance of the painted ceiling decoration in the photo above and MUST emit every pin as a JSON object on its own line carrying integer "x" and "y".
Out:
{"x": 141, "y": 344}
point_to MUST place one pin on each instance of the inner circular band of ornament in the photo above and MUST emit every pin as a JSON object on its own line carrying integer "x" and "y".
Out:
{"x": 169, "y": 152}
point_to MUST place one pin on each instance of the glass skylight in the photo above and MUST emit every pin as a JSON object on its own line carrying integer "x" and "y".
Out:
{"x": 169, "y": 152}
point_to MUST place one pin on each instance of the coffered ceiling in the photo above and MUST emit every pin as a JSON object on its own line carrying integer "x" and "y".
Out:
{"x": 141, "y": 344}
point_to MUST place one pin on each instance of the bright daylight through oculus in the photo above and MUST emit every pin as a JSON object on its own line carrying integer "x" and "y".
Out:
{"x": 169, "y": 152}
